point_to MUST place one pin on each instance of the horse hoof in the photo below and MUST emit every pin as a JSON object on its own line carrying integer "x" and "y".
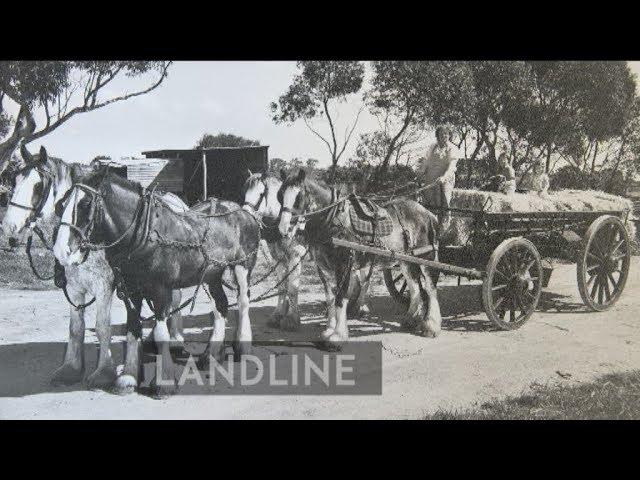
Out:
{"x": 327, "y": 333}
{"x": 125, "y": 385}
{"x": 102, "y": 377}
{"x": 291, "y": 322}
{"x": 240, "y": 349}
{"x": 334, "y": 342}
{"x": 430, "y": 329}
{"x": 67, "y": 375}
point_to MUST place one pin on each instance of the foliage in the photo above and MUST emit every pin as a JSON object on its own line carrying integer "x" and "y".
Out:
{"x": 63, "y": 89}
{"x": 225, "y": 140}
{"x": 314, "y": 93}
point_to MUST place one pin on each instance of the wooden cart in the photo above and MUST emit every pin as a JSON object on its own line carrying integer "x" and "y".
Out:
{"x": 504, "y": 251}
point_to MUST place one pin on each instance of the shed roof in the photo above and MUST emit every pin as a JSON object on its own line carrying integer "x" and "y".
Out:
{"x": 195, "y": 153}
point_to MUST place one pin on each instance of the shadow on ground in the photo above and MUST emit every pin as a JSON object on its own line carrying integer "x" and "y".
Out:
{"x": 26, "y": 368}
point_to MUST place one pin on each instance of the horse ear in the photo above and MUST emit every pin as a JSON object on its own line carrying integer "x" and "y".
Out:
{"x": 44, "y": 157}
{"x": 26, "y": 156}
{"x": 283, "y": 174}
{"x": 302, "y": 174}
{"x": 249, "y": 172}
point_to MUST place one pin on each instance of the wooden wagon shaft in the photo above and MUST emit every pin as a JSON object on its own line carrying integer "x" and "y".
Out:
{"x": 443, "y": 267}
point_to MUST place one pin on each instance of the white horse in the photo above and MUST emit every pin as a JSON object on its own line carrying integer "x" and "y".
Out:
{"x": 39, "y": 185}
{"x": 261, "y": 199}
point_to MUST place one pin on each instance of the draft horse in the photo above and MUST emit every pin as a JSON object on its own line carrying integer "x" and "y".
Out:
{"x": 326, "y": 217}
{"x": 157, "y": 250}
{"x": 40, "y": 184}
{"x": 261, "y": 200}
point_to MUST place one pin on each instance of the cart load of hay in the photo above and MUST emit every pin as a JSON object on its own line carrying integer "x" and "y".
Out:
{"x": 460, "y": 227}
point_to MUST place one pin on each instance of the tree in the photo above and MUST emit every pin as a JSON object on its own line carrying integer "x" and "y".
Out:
{"x": 315, "y": 93}
{"x": 225, "y": 140}
{"x": 312, "y": 164}
{"x": 63, "y": 89}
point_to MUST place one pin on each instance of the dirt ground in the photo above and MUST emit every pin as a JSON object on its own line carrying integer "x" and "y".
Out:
{"x": 468, "y": 364}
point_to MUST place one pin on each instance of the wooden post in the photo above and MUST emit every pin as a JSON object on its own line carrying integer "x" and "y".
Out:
{"x": 204, "y": 174}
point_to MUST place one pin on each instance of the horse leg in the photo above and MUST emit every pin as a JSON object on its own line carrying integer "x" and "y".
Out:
{"x": 415, "y": 312}
{"x": 242, "y": 343}
{"x": 281, "y": 307}
{"x": 326, "y": 279}
{"x": 291, "y": 321}
{"x": 105, "y": 373}
{"x": 432, "y": 322}
{"x": 357, "y": 301}
{"x": 132, "y": 374}
{"x": 341, "y": 330}
{"x": 218, "y": 316}
{"x": 164, "y": 382}
{"x": 72, "y": 369}
{"x": 175, "y": 321}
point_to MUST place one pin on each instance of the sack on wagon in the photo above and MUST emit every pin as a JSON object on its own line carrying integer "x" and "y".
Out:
{"x": 461, "y": 226}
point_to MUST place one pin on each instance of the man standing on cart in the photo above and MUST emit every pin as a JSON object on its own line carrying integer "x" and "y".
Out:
{"x": 437, "y": 171}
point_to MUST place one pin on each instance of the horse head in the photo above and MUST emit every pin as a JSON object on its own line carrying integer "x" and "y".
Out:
{"x": 33, "y": 195}
{"x": 293, "y": 198}
{"x": 103, "y": 207}
{"x": 260, "y": 195}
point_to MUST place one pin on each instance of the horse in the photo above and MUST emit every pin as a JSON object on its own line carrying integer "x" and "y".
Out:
{"x": 157, "y": 250}
{"x": 327, "y": 217}
{"x": 39, "y": 185}
{"x": 260, "y": 192}
{"x": 261, "y": 199}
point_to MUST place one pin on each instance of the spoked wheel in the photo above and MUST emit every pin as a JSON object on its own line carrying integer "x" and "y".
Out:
{"x": 603, "y": 266}
{"x": 513, "y": 283}
{"x": 397, "y": 285}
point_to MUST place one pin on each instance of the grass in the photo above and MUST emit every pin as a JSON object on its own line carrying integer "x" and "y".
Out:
{"x": 611, "y": 397}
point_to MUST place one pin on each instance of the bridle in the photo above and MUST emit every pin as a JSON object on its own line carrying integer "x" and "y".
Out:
{"x": 36, "y": 211}
{"x": 256, "y": 206}
{"x": 96, "y": 204}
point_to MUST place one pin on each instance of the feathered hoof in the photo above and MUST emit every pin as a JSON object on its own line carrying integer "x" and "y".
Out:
{"x": 430, "y": 329}
{"x": 290, "y": 322}
{"x": 67, "y": 375}
{"x": 103, "y": 377}
{"x": 326, "y": 333}
{"x": 125, "y": 385}
{"x": 334, "y": 342}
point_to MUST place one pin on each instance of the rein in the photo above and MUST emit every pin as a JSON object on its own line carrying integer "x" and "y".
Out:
{"x": 85, "y": 241}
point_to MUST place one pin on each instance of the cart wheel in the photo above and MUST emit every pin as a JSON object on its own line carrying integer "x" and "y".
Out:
{"x": 603, "y": 266}
{"x": 512, "y": 283}
{"x": 397, "y": 285}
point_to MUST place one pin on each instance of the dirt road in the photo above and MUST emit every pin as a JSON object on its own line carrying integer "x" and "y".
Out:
{"x": 468, "y": 364}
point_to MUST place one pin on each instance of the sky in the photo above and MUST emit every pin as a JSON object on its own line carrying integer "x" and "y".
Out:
{"x": 198, "y": 98}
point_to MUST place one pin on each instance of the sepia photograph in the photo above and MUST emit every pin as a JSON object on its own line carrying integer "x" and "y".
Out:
{"x": 320, "y": 239}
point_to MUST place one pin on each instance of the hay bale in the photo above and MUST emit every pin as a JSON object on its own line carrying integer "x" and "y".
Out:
{"x": 563, "y": 200}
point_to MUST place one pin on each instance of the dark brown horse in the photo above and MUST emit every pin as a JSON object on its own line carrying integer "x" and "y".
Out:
{"x": 156, "y": 251}
{"x": 413, "y": 226}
